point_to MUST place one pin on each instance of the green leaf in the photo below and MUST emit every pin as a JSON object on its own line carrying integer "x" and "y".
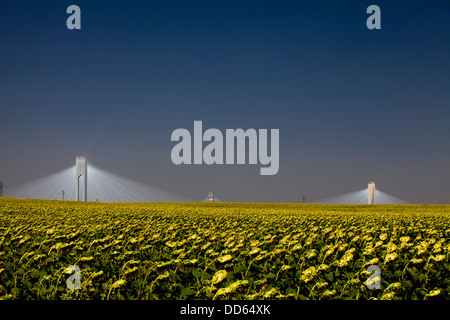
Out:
{"x": 197, "y": 273}
{"x": 239, "y": 268}
{"x": 398, "y": 273}
{"x": 187, "y": 292}
{"x": 329, "y": 276}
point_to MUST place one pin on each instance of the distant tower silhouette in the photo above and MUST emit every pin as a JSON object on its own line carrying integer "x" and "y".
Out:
{"x": 81, "y": 171}
{"x": 210, "y": 196}
{"x": 371, "y": 190}
{"x": 1, "y": 188}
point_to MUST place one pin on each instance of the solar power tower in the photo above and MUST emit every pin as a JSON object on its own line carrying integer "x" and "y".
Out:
{"x": 371, "y": 189}
{"x": 81, "y": 171}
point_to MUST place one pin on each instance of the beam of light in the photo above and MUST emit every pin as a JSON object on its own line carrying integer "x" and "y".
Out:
{"x": 357, "y": 197}
{"x": 360, "y": 197}
{"x": 384, "y": 198}
{"x": 102, "y": 186}
{"x": 108, "y": 187}
{"x": 49, "y": 187}
{"x": 215, "y": 200}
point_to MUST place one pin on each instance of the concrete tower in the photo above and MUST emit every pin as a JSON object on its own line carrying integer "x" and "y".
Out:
{"x": 81, "y": 171}
{"x": 210, "y": 196}
{"x": 371, "y": 189}
{"x": 1, "y": 188}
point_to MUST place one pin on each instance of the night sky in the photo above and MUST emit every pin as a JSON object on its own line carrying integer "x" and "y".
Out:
{"x": 353, "y": 105}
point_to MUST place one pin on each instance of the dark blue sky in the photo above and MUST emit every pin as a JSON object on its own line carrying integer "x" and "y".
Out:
{"x": 352, "y": 105}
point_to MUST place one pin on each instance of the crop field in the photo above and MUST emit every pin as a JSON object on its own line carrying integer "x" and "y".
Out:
{"x": 222, "y": 251}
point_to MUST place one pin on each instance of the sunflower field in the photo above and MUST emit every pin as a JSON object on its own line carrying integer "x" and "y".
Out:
{"x": 222, "y": 251}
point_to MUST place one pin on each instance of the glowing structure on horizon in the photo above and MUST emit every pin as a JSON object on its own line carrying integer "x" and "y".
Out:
{"x": 371, "y": 190}
{"x": 210, "y": 196}
{"x": 80, "y": 171}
